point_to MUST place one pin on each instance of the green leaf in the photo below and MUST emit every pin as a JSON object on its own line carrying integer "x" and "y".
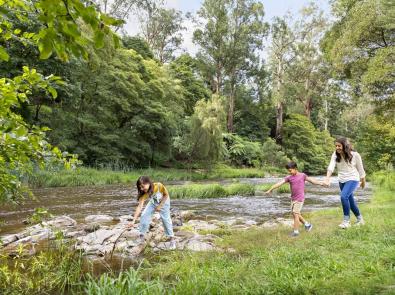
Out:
{"x": 53, "y": 92}
{"x": 99, "y": 39}
{"x": 45, "y": 47}
{"x": 3, "y": 54}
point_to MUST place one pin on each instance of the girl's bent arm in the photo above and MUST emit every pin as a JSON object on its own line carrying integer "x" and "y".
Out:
{"x": 138, "y": 210}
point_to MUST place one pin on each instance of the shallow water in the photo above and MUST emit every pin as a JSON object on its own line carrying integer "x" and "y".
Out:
{"x": 117, "y": 200}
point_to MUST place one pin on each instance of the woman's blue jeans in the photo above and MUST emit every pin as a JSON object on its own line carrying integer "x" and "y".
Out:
{"x": 164, "y": 212}
{"x": 347, "y": 198}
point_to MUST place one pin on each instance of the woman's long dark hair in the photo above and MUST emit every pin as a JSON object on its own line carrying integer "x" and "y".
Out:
{"x": 144, "y": 180}
{"x": 347, "y": 148}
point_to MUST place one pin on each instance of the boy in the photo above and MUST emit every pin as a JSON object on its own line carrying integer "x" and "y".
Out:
{"x": 296, "y": 180}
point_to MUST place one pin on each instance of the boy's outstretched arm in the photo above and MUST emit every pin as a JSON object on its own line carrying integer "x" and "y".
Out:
{"x": 274, "y": 186}
{"x": 313, "y": 181}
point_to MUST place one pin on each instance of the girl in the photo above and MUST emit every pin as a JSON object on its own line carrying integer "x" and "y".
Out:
{"x": 158, "y": 201}
{"x": 350, "y": 173}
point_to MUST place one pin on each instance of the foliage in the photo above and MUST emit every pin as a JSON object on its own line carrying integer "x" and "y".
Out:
{"x": 185, "y": 69}
{"x": 161, "y": 29}
{"x": 202, "y": 138}
{"x": 126, "y": 112}
{"x": 21, "y": 145}
{"x": 272, "y": 154}
{"x": 139, "y": 45}
{"x": 61, "y": 33}
{"x": 242, "y": 152}
{"x": 229, "y": 40}
{"x": 376, "y": 142}
{"x": 360, "y": 46}
{"x": 307, "y": 146}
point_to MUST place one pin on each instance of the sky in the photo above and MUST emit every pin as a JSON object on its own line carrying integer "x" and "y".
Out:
{"x": 272, "y": 8}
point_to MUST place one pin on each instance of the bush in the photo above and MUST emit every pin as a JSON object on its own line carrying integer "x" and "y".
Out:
{"x": 376, "y": 142}
{"x": 309, "y": 147}
{"x": 272, "y": 155}
{"x": 241, "y": 152}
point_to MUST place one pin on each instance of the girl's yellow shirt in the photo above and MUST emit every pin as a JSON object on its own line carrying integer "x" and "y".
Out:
{"x": 158, "y": 187}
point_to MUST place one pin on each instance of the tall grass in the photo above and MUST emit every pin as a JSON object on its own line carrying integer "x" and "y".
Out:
{"x": 89, "y": 176}
{"x": 204, "y": 191}
{"x": 128, "y": 282}
{"x": 52, "y": 271}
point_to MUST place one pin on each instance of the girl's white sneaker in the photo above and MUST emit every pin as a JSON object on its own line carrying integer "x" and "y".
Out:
{"x": 345, "y": 224}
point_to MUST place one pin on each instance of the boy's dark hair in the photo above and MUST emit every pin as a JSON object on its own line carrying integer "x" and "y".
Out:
{"x": 291, "y": 165}
{"x": 144, "y": 180}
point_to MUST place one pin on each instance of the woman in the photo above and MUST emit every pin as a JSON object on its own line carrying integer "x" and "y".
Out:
{"x": 350, "y": 173}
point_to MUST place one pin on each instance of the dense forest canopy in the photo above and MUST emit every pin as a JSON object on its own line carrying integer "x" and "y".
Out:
{"x": 72, "y": 82}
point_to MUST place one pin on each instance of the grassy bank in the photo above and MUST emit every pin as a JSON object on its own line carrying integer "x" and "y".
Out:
{"x": 327, "y": 260}
{"x": 89, "y": 176}
{"x": 204, "y": 191}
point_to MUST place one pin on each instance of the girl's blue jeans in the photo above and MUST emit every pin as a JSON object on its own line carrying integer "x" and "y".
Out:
{"x": 347, "y": 198}
{"x": 164, "y": 212}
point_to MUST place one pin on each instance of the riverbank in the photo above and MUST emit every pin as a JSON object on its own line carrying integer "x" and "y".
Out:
{"x": 327, "y": 260}
{"x": 264, "y": 261}
{"x": 89, "y": 176}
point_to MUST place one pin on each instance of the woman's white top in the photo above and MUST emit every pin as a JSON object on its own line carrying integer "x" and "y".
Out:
{"x": 348, "y": 171}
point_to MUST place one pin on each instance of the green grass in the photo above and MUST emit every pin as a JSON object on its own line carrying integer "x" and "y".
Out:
{"x": 51, "y": 271}
{"x": 327, "y": 260}
{"x": 204, "y": 191}
{"x": 89, "y": 176}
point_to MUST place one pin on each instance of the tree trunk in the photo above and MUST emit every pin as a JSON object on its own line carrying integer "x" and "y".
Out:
{"x": 218, "y": 79}
{"x": 308, "y": 104}
{"x": 326, "y": 116}
{"x": 279, "y": 104}
{"x": 279, "y": 121}
{"x": 231, "y": 109}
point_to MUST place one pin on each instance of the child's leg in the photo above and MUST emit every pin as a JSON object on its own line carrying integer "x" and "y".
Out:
{"x": 146, "y": 217}
{"x": 296, "y": 221}
{"x": 301, "y": 219}
{"x": 296, "y": 207}
{"x": 166, "y": 219}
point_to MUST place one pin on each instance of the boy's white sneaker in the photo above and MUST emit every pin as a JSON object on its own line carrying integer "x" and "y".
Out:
{"x": 345, "y": 224}
{"x": 308, "y": 227}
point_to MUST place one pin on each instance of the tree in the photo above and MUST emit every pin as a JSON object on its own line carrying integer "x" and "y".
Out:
{"x": 161, "y": 29}
{"x": 281, "y": 56}
{"x": 139, "y": 45}
{"x": 60, "y": 33}
{"x": 185, "y": 69}
{"x": 201, "y": 139}
{"x": 231, "y": 38}
{"x": 375, "y": 141}
{"x": 360, "y": 47}
{"x": 306, "y": 145}
{"x": 126, "y": 112}
{"x": 308, "y": 74}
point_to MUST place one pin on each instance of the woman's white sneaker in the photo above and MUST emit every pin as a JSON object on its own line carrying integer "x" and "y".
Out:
{"x": 360, "y": 222}
{"x": 345, "y": 224}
